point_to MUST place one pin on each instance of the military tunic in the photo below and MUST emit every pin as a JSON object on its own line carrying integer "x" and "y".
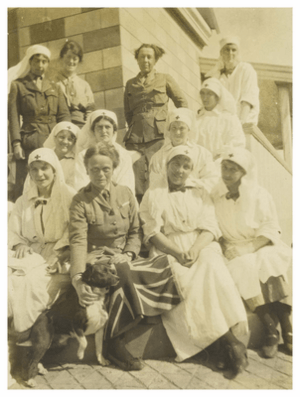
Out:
{"x": 146, "y": 109}
{"x": 40, "y": 109}
{"x": 97, "y": 223}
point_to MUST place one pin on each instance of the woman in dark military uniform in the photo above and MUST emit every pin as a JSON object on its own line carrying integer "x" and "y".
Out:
{"x": 146, "y": 107}
{"x": 38, "y": 101}
{"x": 104, "y": 225}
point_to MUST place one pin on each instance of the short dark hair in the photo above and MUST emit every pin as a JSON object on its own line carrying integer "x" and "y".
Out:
{"x": 104, "y": 118}
{"x": 158, "y": 51}
{"x": 31, "y": 58}
{"x": 104, "y": 149}
{"x": 74, "y": 47}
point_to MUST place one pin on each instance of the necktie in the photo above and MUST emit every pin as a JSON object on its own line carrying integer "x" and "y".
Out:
{"x": 232, "y": 196}
{"x": 70, "y": 90}
{"x": 181, "y": 189}
{"x": 40, "y": 201}
{"x": 39, "y": 82}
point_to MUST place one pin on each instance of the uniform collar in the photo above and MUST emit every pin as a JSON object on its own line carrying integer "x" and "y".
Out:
{"x": 29, "y": 82}
{"x": 150, "y": 76}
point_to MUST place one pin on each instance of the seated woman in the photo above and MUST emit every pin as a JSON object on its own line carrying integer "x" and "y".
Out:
{"x": 179, "y": 132}
{"x": 239, "y": 78}
{"x": 63, "y": 141}
{"x": 257, "y": 259}
{"x": 38, "y": 238}
{"x": 102, "y": 126}
{"x": 217, "y": 124}
{"x": 104, "y": 224}
{"x": 78, "y": 93}
{"x": 181, "y": 223}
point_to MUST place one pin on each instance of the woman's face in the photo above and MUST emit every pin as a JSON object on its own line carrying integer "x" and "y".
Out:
{"x": 179, "y": 132}
{"x": 103, "y": 131}
{"x": 231, "y": 173}
{"x": 100, "y": 169}
{"x": 39, "y": 64}
{"x": 42, "y": 174}
{"x": 64, "y": 142}
{"x": 230, "y": 55}
{"x": 70, "y": 62}
{"x": 209, "y": 99}
{"x": 146, "y": 59}
{"x": 179, "y": 169}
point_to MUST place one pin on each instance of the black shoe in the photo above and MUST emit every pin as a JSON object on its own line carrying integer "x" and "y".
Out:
{"x": 270, "y": 347}
{"x": 238, "y": 357}
{"x": 119, "y": 355}
{"x": 288, "y": 342}
{"x": 222, "y": 359}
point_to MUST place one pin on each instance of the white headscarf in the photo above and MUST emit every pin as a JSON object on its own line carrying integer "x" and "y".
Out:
{"x": 226, "y": 100}
{"x": 22, "y": 68}
{"x": 86, "y": 137}
{"x": 63, "y": 125}
{"x": 180, "y": 114}
{"x": 216, "y": 70}
{"x": 60, "y": 195}
{"x": 158, "y": 194}
{"x": 248, "y": 187}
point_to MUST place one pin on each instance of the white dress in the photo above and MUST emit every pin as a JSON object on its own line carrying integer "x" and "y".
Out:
{"x": 242, "y": 84}
{"x": 211, "y": 304}
{"x": 216, "y": 130}
{"x": 272, "y": 260}
{"x": 30, "y": 288}
{"x": 122, "y": 175}
{"x": 204, "y": 170}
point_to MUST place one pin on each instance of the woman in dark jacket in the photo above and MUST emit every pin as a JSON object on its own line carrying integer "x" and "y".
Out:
{"x": 146, "y": 107}
{"x": 104, "y": 225}
{"x": 38, "y": 101}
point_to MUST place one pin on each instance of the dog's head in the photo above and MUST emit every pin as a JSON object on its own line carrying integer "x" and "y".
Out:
{"x": 100, "y": 274}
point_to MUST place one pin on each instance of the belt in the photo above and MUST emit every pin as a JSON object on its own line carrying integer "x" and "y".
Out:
{"x": 146, "y": 108}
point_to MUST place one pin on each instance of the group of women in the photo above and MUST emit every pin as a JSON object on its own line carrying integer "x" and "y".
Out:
{"x": 191, "y": 197}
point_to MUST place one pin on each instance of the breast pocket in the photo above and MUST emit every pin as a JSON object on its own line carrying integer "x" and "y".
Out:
{"x": 28, "y": 102}
{"x": 52, "y": 100}
{"x": 159, "y": 95}
{"x": 124, "y": 210}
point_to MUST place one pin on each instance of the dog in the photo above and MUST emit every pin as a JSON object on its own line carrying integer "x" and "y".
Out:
{"x": 68, "y": 319}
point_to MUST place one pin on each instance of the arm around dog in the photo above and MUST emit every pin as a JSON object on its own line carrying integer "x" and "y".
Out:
{"x": 78, "y": 235}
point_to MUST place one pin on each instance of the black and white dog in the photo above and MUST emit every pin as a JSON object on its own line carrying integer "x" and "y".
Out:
{"x": 68, "y": 319}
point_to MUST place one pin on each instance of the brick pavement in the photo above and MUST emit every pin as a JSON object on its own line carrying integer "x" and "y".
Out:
{"x": 197, "y": 373}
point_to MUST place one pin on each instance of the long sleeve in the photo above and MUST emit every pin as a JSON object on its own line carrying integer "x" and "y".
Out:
{"x": 207, "y": 219}
{"x": 14, "y": 112}
{"x": 128, "y": 112}
{"x": 78, "y": 236}
{"x": 175, "y": 93}
{"x": 151, "y": 225}
{"x": 134, "y": 234}
{"x": 63, "y": 113}
{"x": 266, "y": 215}
{"x": 15, "y": 235}
{"x": 249, "y": 86}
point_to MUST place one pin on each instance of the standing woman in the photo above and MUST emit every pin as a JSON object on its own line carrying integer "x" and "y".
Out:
{"x": 102, "y": 126}
{"x": 146, "y": 100}
{"x": 217, "y": 125}
{"x": 256, "y": 257}
{"x": 40, "y": 104}
{"x": 78, "y": 93}
{"x": 239, "y": 78}
{"x": 62, "y": 140}
{"x": 38, "y": 238}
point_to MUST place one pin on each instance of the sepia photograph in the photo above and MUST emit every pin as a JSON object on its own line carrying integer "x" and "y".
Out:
{"x": 149, "y": 198}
